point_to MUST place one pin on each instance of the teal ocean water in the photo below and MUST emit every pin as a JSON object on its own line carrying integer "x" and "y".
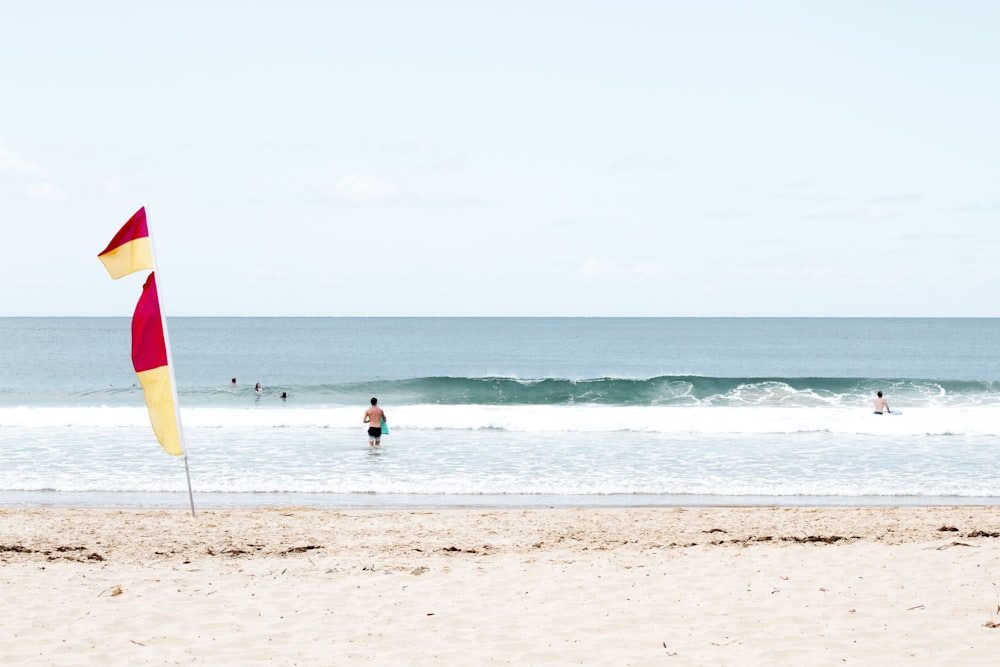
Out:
{"x": 508, "y": 411}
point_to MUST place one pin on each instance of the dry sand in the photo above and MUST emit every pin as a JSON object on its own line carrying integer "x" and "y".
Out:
{"x": 692, "y": 586}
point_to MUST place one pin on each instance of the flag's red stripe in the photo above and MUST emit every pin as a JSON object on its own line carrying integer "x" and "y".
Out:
{"x": 134, "y": 229}
{"x": 148, "y": 348}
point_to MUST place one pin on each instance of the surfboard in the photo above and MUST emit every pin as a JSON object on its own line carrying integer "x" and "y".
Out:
{"x": 385, "y": 428}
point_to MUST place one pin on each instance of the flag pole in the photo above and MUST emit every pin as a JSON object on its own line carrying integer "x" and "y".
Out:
{"x": 170, "y": 368}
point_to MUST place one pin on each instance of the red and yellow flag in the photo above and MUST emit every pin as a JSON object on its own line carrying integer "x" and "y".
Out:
{"x": 130, "y": 249}
{"x": 149, "y": 358}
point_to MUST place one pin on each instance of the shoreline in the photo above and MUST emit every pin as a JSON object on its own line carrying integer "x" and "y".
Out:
{"x": 99, "y": 500}
{"x": 640, "y": 586}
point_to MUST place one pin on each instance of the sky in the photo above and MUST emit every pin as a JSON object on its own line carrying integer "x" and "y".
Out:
{"x": 617, "y": 158}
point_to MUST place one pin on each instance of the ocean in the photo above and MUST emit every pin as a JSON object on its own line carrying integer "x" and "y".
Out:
{"x": 521, "y": 412}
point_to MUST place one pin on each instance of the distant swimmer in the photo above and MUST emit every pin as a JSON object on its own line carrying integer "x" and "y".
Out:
{"x": 284, "y": 395}
{"x": 881, "y": 405}
{"x": 259, "y": 389}
{"x": 232, "y": 383}
{"x": 374, "y": 415}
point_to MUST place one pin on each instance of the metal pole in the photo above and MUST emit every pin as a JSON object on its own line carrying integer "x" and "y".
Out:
{"x": 170, "y": 367}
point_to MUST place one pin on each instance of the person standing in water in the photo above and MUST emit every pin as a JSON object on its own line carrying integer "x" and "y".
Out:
{"x": 374, "y": 416}
{"x": 881, "y": 404}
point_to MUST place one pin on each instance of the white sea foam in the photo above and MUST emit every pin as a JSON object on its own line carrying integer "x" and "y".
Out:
{"x": 455, "y": 451}
{"x": 544, "y": 419}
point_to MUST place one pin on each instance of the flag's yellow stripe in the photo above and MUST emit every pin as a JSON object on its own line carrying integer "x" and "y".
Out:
{"x": 160, "y": 402}
{"x": 127, "y": 258}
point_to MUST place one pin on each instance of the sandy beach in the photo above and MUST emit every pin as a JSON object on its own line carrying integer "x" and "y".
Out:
{"x": 673, "y": 586}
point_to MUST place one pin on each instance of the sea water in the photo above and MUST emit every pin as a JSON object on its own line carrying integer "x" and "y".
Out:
{"x": 508, "y": 411}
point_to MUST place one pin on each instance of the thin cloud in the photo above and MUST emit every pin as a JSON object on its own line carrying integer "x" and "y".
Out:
{"x": 980, "y": 207}
{"x": 359, "y": 187}
{"x": 415, "y": 147}
{"x": 427, "y": 153}
{"x": 603, "y": 269}
{"x": 820, "y": 197}
{"x": 641, "y": 162}
{"x": 45, "y": 191}
{"x": 455, "y": 163}
{"x": 805, "y": 191}
{"x": 879, "y": 212}
{"x": 18, "y": 164}
{"x": 304, "y": 147}
{"x": 902, "y": 198}
{"x": 116, "y": 185}
{"x": 863, "y": 214}
{"x": 941, "y": 237}
{"x": 729, "y": 213}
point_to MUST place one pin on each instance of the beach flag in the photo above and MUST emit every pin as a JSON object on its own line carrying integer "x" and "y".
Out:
{"x": 149, "y": 358}
{"x": 130, "y": 250}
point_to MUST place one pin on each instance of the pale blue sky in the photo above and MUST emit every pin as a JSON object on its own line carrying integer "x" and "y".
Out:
{"x": 504, "y": 158}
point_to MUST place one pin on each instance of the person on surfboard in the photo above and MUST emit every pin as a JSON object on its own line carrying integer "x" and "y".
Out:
{"x": 374, "y": 416}
{"x": 881, "y": 404}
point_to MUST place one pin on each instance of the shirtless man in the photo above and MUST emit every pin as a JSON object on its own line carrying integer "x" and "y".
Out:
{"x": 881, "y": 405}
{"x": 373, "y": 417}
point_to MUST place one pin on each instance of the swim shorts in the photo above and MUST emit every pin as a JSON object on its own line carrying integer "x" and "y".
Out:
{"x": 375, "y": 432}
